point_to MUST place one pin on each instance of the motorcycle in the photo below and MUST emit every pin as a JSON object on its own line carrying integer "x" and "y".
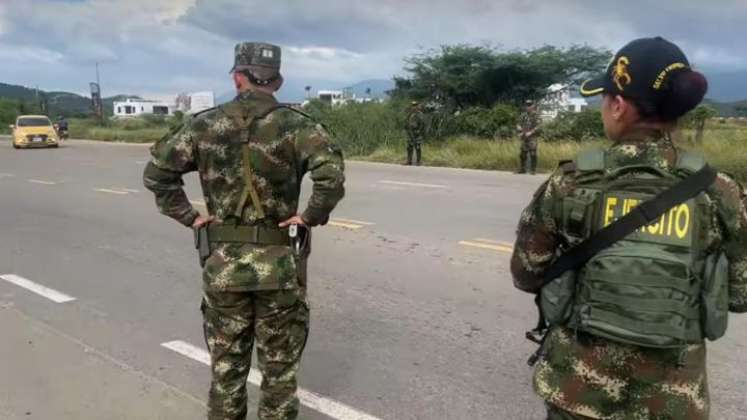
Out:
{"x": 62, "y": 132}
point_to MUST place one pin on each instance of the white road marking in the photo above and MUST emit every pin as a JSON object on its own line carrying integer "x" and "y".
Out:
{"x": 129, "y": 190}
{"x": 310, "y": 399}
{"x": 108, "y": 191}
{"x": 27, "y": 284}
{"x": 414, "y": 184}
{"x": 4, "y": 175}
{"x": 197, "y": 202}
{"x": 41, "y": 181}
{"x": 492, "y": 247}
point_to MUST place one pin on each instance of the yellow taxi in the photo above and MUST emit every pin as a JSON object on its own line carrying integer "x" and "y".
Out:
{"x": 34, "y": 131}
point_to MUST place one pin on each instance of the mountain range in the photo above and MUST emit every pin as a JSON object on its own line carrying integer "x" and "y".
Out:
{"x": 60, "y": 103}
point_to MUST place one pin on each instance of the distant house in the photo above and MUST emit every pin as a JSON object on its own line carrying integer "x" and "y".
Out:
{"x": 332, "y": 97}
{"x": 558, "y": 99}
{"x": 192, "y": 103}
{"x": 341, "y": 97}
{"x": 136, "y": 108}
{"x": 188, "y": 103}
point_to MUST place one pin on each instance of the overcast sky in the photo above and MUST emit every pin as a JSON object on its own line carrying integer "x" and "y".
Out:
{"x": 150, "y": 47}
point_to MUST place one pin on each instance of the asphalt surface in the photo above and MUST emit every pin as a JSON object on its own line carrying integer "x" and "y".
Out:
{"x": 413, "y": 312}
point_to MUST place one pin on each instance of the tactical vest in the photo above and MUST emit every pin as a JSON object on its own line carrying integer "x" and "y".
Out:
{"x": 659, "y": 287}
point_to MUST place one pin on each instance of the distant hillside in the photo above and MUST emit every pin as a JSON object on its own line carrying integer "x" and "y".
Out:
{"x": 60, "y": 103}
{"x": 379, "y": 87}
{"x": 729, "y": 109}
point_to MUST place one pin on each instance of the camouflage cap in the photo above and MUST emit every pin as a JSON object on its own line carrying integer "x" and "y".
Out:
{"x": 260, "y": 58}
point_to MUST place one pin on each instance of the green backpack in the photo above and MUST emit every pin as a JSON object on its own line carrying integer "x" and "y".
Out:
{"x": 658, "y": 287}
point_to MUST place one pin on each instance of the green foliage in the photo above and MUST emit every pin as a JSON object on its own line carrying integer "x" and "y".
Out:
{"x": 497, "y": 122}
{"x": 361, "y": 128}
{"x": 9, "y": 110}
{"x": 698, "y": 116}
{"x": 580, "y": 126}
{"x": 470, "y": 76}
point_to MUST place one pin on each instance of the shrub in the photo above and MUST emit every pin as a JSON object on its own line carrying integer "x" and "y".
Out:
{"x": 579, "y": 126}
{"x": 497, "y": 122}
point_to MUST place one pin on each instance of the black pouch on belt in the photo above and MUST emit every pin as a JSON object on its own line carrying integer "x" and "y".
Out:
{"x": 202, "y": 243}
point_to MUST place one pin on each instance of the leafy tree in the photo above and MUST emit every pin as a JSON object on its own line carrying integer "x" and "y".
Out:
{"x": 467, "y": 76}
{"x": 697, "y": 119}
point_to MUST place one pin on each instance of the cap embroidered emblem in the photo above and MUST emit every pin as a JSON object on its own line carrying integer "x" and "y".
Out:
{"x": 620, "y": 73}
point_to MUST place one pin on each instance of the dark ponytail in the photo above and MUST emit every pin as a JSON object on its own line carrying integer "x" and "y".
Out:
{"x": 681, "y": 93}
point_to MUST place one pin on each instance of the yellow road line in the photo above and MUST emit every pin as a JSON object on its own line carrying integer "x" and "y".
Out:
{"x": 494, "y": 242}
{"x": 414, "y": 184}
{"x": 108, "y": 191}
{"x": 481, "y": 245}
{"x": 41, "y": 181}
{"x": 351, "y": 226}
{"x": 355, "y": 222}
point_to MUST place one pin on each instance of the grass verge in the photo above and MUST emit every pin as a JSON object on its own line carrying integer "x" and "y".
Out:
{"x": 725, "y": 149}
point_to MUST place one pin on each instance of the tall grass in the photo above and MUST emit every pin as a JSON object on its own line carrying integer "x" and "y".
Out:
{"x": 133, "y": 130}
{"x": 723, "y": 148}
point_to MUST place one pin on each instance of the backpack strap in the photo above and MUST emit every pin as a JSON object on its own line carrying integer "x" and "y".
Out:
{"x": 591, "y": 160}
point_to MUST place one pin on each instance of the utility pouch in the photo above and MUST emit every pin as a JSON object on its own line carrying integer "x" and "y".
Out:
{"x": 556, "y": 298}
{"x": 300, "y": 242}
{"x": 714, "y": 297}
{"x": 202, "y": 243}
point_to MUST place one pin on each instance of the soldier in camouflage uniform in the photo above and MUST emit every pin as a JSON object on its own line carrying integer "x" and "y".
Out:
{"x": 582, "y": 376}
{"x": 251, "y": 155}
{"x": 415, "y": 133}
{"x": 529, "y": 122}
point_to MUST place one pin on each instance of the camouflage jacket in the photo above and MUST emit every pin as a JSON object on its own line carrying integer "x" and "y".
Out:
{"x": 283, "y": 147}
{"x": 606, "y": 380}
{"x": 416, "y": 124}
{"x": 528, "y": 121}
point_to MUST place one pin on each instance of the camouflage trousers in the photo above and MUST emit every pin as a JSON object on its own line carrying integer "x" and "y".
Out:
{"x": 556, "y": 413}
{"x": 279, "y": 322}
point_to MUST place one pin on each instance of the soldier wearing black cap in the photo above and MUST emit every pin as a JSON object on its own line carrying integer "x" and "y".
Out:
{"x": 251, "y": 154}
{"x": 627, "y": 324}
{"x": 529, "y": 122}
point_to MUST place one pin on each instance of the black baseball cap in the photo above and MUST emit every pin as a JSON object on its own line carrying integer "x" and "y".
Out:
{"x": 640, "y": 69}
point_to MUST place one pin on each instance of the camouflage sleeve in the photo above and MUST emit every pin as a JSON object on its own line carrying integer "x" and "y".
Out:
{"x": 537, "y": 238}
{"x": 731, "y": 201}
{"x": 172, "y": 156}
{"x": 317, "y": 155}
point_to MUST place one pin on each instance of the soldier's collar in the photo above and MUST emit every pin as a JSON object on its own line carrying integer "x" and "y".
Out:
{"x": 256, "y": 96}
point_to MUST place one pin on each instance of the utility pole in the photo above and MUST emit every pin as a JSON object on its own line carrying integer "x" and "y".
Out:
{"x": 100, "y": 102}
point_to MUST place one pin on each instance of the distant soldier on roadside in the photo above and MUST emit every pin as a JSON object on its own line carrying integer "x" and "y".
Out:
{"x": 528, "y": 128}
{"x": 416, "y": 126}
{"x": 251, "y": 154}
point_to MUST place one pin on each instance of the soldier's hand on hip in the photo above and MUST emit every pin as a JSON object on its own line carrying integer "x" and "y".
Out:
{"x": 295, "y": 220}
{"x": 201, "y": 221}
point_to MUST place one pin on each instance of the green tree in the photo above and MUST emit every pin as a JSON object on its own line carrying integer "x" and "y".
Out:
{"x": 697, "y": 119}
{"x": 468, "y": 76}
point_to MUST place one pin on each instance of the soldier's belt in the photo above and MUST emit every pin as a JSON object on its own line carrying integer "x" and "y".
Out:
{"x": 258, "y": 235}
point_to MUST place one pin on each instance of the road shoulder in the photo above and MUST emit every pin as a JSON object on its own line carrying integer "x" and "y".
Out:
{"x": 47, "y": 374}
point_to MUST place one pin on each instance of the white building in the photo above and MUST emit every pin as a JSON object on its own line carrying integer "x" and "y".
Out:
{"x": 187, "y": 103}
{"x": 192, "y": 103}
{"x": 558, "y": 99}
{"x": 136, "y": 108}
{"x": 332, "y": 97}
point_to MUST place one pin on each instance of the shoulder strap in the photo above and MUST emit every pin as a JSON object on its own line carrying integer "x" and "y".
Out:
{"x": 641, "y": 216}
{"x": 591, "y": 160}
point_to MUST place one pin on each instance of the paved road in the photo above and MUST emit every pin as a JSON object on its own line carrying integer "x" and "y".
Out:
{"x": 413, "y": 312}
